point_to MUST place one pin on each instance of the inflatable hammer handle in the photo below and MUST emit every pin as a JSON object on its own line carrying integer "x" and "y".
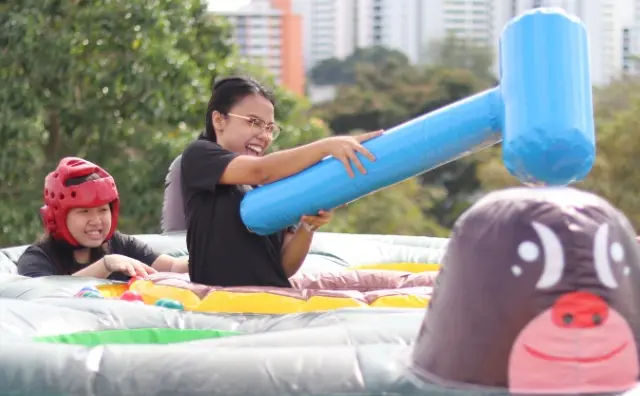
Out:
{"x": 402, "y": 152}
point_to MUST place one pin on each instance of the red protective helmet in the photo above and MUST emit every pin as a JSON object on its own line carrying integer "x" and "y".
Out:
{"x": 60, "y": 198}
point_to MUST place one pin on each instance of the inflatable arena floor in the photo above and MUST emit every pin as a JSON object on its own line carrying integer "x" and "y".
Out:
{"x": 536, "y": 292}
{"x": 346, "y": 327}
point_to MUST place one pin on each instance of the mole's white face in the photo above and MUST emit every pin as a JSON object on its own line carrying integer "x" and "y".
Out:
{"x": 581, "y": 332}
{"x": 539, "y": 293}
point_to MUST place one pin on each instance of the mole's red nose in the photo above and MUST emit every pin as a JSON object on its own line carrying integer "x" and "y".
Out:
{"x": 579, "y": 309}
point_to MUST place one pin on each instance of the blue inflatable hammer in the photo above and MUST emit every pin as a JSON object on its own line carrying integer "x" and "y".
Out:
{"x": 542, "y": 110}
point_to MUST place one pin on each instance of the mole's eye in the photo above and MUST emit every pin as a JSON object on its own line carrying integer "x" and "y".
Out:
{"x": 528, "y": 251}
{"x": 602, "y": 250}
{"x": 551, "y": 250}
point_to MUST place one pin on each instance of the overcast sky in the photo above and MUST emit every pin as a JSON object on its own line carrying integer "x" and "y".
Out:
{"x": 226, "y": 5}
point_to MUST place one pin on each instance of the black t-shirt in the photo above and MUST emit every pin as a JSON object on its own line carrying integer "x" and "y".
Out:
{"x": 39, "y": 259}
{"x": 222, "y": 251}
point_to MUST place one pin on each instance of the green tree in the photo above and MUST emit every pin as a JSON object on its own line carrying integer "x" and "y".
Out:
{"x": 492, "y": 173}
{"x": 123, "y": 83}
{"x": 111, "y": 81}
{"x": 384, "y": 95}
{"x": 400, "y": 209}
{"x": 455, "y": 52}
{"x": 614, "y": 176}
{"x": 333, "y": 71}
{"x": 379, "y": 92}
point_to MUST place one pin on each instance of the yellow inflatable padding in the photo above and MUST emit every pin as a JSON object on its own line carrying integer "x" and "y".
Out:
{"x": 222, "y": 301}
{"x": 151, "y": 293}
{"x": 114, "y": 290}
{"x": 398, "y": 301}
{"x": 268, "y": 303}
{"x": 405, "y": 267}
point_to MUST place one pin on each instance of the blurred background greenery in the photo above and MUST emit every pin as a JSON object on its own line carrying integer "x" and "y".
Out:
{"x": 124, "y": 83}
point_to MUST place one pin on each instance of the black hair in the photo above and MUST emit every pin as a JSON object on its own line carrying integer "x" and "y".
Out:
{"x": 61, "y": 254}
{"x": 74, "y": 181}
{"x": 226, "y": 93}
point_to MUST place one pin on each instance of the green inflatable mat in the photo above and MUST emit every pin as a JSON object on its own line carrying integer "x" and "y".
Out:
{"x": 135, "y": 336}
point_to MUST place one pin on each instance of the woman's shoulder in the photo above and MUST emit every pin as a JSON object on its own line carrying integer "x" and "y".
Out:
{"x": 38, "y": 248}
{"x": 119, "y": 239}
{"x": 130, "y": 246}
{"x": 203, "y": 162}
{"x": 36, "y": 261}
{"x": 121, "y": 243}
{"x": 202, "y": 145}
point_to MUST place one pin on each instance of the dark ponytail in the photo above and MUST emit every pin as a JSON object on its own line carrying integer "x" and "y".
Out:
{"x": 226, "y": 93}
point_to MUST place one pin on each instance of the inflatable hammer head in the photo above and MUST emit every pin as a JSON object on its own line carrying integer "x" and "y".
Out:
{"x": 548, "y": 134}
{"x": 539, "y": 293}
{"x": 59, "y": 197}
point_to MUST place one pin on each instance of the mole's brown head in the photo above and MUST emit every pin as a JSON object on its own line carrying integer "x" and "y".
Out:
{"x": 539, "y": 292}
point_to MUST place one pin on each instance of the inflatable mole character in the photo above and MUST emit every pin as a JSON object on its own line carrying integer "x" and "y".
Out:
{"x": 539, "y": 293}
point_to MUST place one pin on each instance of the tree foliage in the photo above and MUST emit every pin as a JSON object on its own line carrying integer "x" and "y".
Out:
{"x": 333, "y": 71}
{"x": 614, "y": 176}
{"x": 458, "y": 53}
{"x": 401, "y": 209}
{"x": 384, "y": 95}
{"x": 123, "y": 83}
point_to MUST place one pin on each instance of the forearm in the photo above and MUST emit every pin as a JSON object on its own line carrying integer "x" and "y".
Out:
{"x": 97, "y": 269}
{"x": 166, "y": 263}
{"x": 180, "y": 264}
{"x": 295, "y": 250}
{"x": 278, "y": 165}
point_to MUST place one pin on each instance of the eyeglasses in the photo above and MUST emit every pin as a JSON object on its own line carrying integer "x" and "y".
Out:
{"x": 272, "y": 129}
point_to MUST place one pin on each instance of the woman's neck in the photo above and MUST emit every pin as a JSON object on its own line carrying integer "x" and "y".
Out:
{"x": 81, "y": 255}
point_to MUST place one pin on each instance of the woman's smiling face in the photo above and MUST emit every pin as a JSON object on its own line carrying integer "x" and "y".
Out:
{"x": 240, "y": 131}
{"x": 89, "y": 226}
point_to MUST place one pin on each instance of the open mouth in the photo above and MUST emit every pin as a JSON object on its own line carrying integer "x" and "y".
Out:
{"x": 593, "y": 359}
{"x": 254, "y": 149}
{"x": 94, "y": 234}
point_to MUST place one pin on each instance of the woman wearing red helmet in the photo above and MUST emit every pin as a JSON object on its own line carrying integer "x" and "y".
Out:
{"x": 80, "y": 216}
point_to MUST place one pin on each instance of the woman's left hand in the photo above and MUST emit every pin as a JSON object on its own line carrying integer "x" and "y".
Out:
{"x": 312, "y": 223}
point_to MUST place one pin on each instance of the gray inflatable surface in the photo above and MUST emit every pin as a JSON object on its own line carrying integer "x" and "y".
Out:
{"x": 342, "y": 352}
{"x": 361, "y": 351}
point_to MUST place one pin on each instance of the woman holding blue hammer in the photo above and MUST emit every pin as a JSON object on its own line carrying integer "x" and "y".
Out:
{"x": 221, "y": 166}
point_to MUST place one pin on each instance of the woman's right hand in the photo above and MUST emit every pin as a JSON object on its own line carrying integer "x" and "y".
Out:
{"x": 126, "y": 265}
{"x": 344, "y": 149}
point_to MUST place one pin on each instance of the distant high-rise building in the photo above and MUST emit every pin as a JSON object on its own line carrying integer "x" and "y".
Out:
{"x": 472, "y": 21}
{"x": 631, "y": 42}
{"x": 329, "y": 29}
{"x": 392, "y": 24}
{"x": 604, "y": 20}
{"x": 635, "y": 43}
{"x": 628, "y": 65}
{"x": 336, "y": 28}
{"x": 268, "y": 32}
